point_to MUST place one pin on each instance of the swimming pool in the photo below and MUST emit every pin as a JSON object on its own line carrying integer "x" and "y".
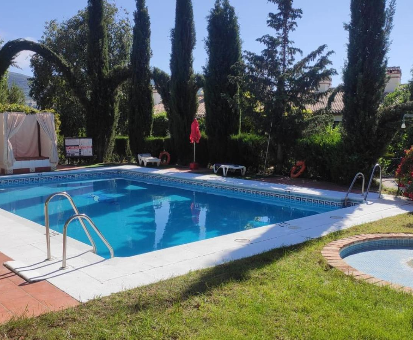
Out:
{"x": 138, "y": 215}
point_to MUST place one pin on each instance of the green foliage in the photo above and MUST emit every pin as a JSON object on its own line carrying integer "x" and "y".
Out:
{"x": 4, "y": 89}
{"x": 155, "y": 145}
{"x": 282, "y": 85}
{"x": 183, "y": 85}
{"x": 403, "y": 138}
{"x": 51, "y": 88}
{"x": 404, "y": 173}
{"x": 160, "y": 125}
{"x": 162, "y": 82}
{"x": 17, "y": 108}
{"x": 121, "y": 148}
{"x": 411, "y": 87}
{"x": 16, "y": 95}
{"x": 223, "y": 46}
{"x": 102, "y": 116}
{"x": 140, "y": 100}
{"x": 364, "y": 82}
{"x": 247, "y": 149}
{"x": 12, "y": 95}
{"x": 399, "y": 95}
{"x": 323, "y": 153}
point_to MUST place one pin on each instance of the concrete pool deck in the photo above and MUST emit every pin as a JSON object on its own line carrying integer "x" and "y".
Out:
{"x": 89, "y": 276}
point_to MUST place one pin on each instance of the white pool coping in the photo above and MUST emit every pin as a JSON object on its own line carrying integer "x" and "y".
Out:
{"x": 89, "y": 276}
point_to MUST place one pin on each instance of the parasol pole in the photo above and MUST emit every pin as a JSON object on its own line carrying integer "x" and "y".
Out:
{"x": 194, "y": 152}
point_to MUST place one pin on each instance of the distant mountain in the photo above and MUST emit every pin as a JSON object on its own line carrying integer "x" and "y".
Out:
{"x": 22, "y": 81}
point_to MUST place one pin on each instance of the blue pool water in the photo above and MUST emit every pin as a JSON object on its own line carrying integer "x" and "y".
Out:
{"x": 137, "y": 217}
{"x": 387, "y": 259}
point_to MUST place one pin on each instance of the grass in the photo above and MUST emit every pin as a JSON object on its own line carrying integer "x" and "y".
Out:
{"x": 288, "y": 293}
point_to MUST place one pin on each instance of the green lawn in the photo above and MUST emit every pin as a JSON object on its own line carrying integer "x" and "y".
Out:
{"x": 287, "y": 293}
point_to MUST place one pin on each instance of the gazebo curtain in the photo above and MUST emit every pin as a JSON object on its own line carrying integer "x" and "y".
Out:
{"x": 12, "y": 123}
{"x": 46, "y": 122}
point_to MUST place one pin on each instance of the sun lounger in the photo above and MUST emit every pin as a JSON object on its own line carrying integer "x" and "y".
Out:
{"x": 145, "y": 158}
{"x": 230, "y": 167}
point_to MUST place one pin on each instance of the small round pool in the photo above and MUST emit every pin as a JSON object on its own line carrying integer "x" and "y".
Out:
{"x": 384, "y": 259}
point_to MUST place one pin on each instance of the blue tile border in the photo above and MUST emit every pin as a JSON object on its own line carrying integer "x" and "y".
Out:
{"x": 281, "y": 195}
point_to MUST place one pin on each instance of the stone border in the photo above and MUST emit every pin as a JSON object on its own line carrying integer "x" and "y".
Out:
{"x": 331, "y": 253}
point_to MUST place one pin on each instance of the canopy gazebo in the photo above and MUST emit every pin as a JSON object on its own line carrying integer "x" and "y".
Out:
{"x": 28, "y": 142}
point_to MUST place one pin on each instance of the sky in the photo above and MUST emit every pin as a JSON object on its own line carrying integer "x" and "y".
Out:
{"x": 322, "y": 23}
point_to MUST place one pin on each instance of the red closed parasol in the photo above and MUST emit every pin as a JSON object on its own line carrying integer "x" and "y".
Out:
{"x": 194, "y": 137}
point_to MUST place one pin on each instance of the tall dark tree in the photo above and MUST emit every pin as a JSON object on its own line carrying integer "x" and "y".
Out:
{"x": 102, "y": 116}
{"x": 183, "y": 86}
{"x": 223, "y": 47}
{"x": 364, "y": 81}
{"x": 140, "y": 101}
{"x": 281, "y": 84}
{"x": 49, "y": 87}
{"x": 99, "y": 98}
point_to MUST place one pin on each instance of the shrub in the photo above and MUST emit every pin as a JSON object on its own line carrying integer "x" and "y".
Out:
{"x": 160, "y": 125}
{"x": 324, "y": 154}
{"x": 404, "y": 173}
{"x": 121, "y": 148}
{"x": 155, "y": 145}
{"x": 247, "y": 149}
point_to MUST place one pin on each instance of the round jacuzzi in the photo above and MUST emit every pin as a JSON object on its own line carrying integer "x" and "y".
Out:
{"x": 383, "y": 259}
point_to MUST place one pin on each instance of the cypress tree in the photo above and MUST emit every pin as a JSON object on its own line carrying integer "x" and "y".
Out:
{"x": 140, "y": 99}
{"x": 364, "y": 81}
{"x": 102, "y": 114}
{"x": 183, "y": 87}
{"x": 223, "y": 47}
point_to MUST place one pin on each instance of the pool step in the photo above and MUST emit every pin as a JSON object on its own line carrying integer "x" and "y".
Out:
{"x": 48, "y": 269}
{"x": 27, "y": 272}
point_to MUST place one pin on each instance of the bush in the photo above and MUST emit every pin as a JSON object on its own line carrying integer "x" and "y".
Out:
{"x": 324, "y": 155}
{"x": 160, "y": 125}
{"x": 155, "y": 145}
{"x": 247, "y": 149}
{"x": 121, "y": 149}
{"x": 404, "y": 173}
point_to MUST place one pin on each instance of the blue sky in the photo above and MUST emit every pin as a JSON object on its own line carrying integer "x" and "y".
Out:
{"x": 322, "y": 23}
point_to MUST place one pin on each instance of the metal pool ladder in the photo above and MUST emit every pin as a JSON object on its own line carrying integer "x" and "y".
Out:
{"x": 78, "y": 216}
{"x": 371, "y": 179}
{"x": 360, "y": 174}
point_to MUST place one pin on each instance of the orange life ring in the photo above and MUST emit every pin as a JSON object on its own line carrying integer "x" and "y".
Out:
{"x": 162, "y": 158}
{"x": 298, "y": 164}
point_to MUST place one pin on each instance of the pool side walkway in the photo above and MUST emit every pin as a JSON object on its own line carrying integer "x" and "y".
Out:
{"x": 21, "y": 299}
{"x": 24, "y": 241}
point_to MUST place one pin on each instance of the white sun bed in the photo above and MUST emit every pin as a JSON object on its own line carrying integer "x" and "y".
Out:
{"x": 231, "y": 167}
{"x": 145, "y": 158}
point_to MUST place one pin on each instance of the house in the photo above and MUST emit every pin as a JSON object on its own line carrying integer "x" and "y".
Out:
{"x": 394, "y": 75}
{"x": 159, "y": 108}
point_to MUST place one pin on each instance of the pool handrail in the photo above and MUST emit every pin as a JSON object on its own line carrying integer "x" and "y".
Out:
{"x": 80, "y": 217}
{"x": 371, "y": 179}
{"x": 47, "y": 224}
{"x": 358, "y": 175}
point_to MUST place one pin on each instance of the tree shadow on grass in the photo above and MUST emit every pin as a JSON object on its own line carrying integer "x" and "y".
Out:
{"x": 180, "y": 289}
